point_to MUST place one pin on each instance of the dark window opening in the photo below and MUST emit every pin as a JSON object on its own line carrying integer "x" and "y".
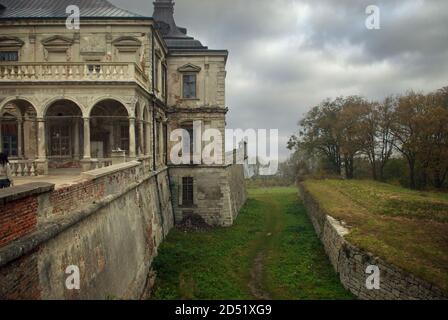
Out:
{"x": 189, "y": 86}
{"x": 9, "y": 56}
{"x": 10, "y": 138}
{"x": 187, "y": 191}
{"x": 60, "y": 140}
{"x": 156, "y": 74}
{"x": 164, "y": 75}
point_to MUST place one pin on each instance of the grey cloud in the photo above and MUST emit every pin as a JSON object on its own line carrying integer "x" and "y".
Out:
{"x": 287, "y": 55}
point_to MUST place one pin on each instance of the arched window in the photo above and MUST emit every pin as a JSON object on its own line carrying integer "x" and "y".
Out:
{"x": 64, "y": 123}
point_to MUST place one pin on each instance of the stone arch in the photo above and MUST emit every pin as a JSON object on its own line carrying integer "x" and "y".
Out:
{"x": 18, "y": 128}
{"x": 109, "y": 127}
{"x": 110, "y": 98}
{"x": 51, "y": 101}
{"x": 10, "y": 100}
{"x": 63, "y": 130}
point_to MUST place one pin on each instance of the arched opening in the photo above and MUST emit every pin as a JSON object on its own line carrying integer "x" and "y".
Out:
{"x": 109, "y": 128}
{"x": 63, "y": 134}
{"x": 18, "y": 130}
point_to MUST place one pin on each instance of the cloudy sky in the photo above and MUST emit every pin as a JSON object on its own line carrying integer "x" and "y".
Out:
{"x": 288, "y": 55}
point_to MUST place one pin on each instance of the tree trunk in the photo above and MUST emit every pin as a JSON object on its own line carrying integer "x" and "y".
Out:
{"x": 411, "y": 163}
{"x": 374, "y": 175}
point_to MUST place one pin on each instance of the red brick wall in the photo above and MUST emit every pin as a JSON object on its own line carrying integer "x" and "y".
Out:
{"x": 67, "y": 199}
{"x": 20, "y": 279}
{"x": 17, "y": 219}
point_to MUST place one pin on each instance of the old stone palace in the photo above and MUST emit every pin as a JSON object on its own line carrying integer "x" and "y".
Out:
{"x": 100, "y": 102}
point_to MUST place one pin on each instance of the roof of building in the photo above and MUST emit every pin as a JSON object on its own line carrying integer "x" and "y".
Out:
{"x": 45, "y": 9}
{"x": 176, "y": 38}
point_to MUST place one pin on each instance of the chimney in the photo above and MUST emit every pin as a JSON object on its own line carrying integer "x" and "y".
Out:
{"x": 164, "y": 17}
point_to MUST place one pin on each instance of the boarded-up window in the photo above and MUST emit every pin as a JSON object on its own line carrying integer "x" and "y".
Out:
{"x": 189, "y": 86}
{"x": 187, "y": 191}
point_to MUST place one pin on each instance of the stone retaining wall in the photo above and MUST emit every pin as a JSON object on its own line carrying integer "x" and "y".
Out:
{"x": 109, "y": 225}
{"x": 350, "y": 262}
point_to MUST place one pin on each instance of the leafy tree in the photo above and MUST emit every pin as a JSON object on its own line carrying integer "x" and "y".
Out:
{"x": 407, "y": 129}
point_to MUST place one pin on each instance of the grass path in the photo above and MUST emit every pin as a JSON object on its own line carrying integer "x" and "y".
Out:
{"x": 270, "y": 253}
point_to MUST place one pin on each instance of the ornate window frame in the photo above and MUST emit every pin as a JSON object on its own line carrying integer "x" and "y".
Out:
{"x": 185, "y": 70}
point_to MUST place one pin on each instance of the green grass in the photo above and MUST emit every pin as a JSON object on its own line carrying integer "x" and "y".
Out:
{"x": 406, "y": 228}
{"x": 218, "y": 264}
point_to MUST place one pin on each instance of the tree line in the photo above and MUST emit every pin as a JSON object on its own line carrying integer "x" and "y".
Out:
{"x": 348, "y": 132}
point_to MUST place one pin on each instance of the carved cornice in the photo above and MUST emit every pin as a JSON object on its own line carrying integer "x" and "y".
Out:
{"x": 11, "y": 42}
{"x": 57, "y": 43}
{"x": 189, "y": 67}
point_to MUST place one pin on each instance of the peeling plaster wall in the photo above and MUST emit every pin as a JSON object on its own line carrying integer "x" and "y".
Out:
{"x": 112, "y": 238}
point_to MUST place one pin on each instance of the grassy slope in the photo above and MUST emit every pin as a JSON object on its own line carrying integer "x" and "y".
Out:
{"x": 218, "y": 264}
{"x": 406, "y": 228}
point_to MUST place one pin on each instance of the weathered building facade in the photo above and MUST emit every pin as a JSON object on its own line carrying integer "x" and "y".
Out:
{"x": 103, "y": 100}
{"x": 111, "y": 91}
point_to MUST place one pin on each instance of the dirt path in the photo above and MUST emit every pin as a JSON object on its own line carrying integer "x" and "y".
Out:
{"x": 274, "y": 227}
{"x": 256, "y": 278}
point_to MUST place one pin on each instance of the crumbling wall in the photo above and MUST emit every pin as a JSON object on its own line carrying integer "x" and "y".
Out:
{"x": 219, "y": 193}
{"x": 109, "y": 225}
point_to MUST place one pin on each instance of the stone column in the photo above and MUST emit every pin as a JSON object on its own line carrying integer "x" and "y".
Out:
{"x": 141, "y": 149}
{"x": 87, "y": 138}
{"x": 132, "y": 138}
{"x": 41, "y": 162}
{"x": 86, "y": 162}
{"x": 20, "y": 138}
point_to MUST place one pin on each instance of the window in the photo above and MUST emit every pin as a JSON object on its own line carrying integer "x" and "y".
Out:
{"x": 156, "y": 73}
{"x": 163, "y": 81}
{"x": 60, "y": 140}
{"x": 187, "y": 191}
{"x": 9, "y": 56}
{"x": 9, "y": 134}
{"x": 189, "y": 86}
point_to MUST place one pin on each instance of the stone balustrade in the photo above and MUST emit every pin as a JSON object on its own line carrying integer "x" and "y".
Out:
{"x": 101, "y": 163}
{"x": 54, "y": 71}
{"x": 23, "y": 168}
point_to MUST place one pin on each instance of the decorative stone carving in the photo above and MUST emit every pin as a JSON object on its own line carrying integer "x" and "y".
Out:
{"x": 57, "y": 43}
{"x": 189, "y": 67}
{"x": 93, "y": 45}
{"x": 11, "y": 43}
{"x": 127, "y": 44}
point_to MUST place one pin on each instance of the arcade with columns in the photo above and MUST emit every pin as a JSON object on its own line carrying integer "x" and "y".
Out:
{"x": 63, "y": 133}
